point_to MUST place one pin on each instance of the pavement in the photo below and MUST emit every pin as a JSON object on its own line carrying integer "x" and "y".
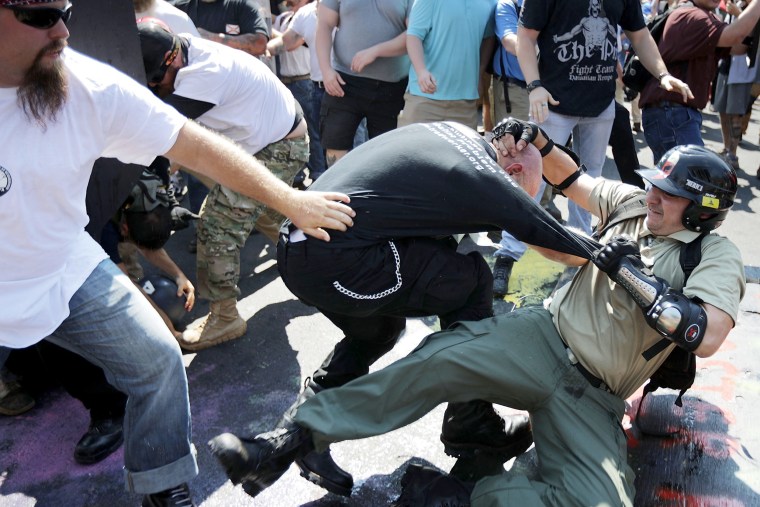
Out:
{"x": 703, "y": 454}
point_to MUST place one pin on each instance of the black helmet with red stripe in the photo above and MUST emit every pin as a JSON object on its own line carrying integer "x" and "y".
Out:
{"x": 696, "y": 173}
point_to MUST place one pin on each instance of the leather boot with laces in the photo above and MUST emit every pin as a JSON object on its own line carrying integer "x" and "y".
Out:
{"x": 257, "y": 463}
{"x": 319, "y": 467}
{"x": 178, "y": 496}
{"x": 474, "y": 426}
{"x": 223, "y": 323}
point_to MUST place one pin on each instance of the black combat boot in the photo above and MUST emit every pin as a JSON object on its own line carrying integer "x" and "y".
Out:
{"x": 319, "y": 467}
{"x": 474, "y": 426}
{"x": 259, "y": 462}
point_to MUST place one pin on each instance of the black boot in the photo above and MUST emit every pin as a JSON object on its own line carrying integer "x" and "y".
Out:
{"x": 424, "y": 486}
{"x": 474, "y": 426}
{"x": 259, "y": 462}
{"x": 104, "y": 436}
{"x": 319, "y": 467}
{"x": 175, "y": 497}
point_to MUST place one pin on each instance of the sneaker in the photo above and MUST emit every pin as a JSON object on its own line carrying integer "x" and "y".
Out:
{"x": 103, "y": 437}
{"x": 178, "y": 496}
{"x": 473, "y": 427}
{"x": 502, "y": 270}
{"x": 259, "y": 462}
{"x": 424, "y": 486}
{"x": 14, "y": 400}
{"x": 732, "y": 160}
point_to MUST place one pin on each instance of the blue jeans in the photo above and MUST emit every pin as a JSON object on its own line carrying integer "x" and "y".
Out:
{"x": 304, "y": 92}
{"x": 668, "y": 125}
{"x": 112, "y": 325}
{"x": 590, "y": 138}
{"x": 511, "y": 247}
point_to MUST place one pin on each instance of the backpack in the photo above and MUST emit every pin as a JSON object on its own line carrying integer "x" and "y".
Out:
{"x": 680, "y": 368}
{"x": 635, "y": 75}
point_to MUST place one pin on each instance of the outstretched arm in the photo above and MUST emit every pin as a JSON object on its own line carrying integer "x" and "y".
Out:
{"x": 218, "y": 158}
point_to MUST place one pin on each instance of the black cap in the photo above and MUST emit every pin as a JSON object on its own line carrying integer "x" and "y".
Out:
{"x": 155, "y": 40}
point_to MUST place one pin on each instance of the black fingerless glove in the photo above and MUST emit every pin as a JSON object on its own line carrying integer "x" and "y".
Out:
{"x": 609, "y": 256}
{"x": 519, "y": 129}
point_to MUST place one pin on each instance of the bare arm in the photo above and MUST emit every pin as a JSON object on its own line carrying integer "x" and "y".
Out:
{"x": 252, "y": 43}
{"x": 528, "y": 59}
{"x": 647, "y": 51}
{"x": 719, "y": 324}
{"x": 327, "y": 20}
{"x": 738, "y": 29}
{"x": 218, "y": 158}
{"x": 416, "y": 52}
{"x": 287, "y": 41}
{"x": 162, "y": 261}
{"x": 394, "y": 47}
{"x": 562, "y": 258}
{"x": 509, "y": 42}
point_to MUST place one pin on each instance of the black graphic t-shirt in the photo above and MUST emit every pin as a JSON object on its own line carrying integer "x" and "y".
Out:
{"x": 232, "y": 17}
{"x": 433, "y": 180}
{"x": 578, "y": 49}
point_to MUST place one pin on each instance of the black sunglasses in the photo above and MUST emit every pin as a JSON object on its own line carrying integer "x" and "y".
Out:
{"x": 41, "y": 17}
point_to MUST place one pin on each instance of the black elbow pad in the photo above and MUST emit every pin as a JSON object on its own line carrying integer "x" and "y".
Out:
{"x": 679, "y": 319}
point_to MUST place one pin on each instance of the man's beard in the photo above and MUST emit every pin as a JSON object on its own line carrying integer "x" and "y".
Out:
{"x": 44, "y": 90}
{"x": 142, "y": 5}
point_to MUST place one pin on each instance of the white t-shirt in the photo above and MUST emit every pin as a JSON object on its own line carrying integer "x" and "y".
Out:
{"x": 305, "y": 24}
{"x": 251, "y": 105}
{"x": 177, "y": 20}
{"x": 45, "y": 253}
{"x": 296, "y": 62}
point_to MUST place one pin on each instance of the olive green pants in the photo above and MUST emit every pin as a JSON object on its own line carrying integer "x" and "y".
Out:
{"x": 516, "y": 360}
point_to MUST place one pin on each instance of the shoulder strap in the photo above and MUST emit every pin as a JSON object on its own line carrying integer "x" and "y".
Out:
{"x": 634, "y": 207}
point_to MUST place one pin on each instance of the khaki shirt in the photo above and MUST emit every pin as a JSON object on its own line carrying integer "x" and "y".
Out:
{"x": 599, "y": 320}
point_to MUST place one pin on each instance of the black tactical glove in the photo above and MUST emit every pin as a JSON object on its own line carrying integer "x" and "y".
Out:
{"x": 609, "y": 256}
{"x": 519, "y": 129}
{"x": 181, "y": 218}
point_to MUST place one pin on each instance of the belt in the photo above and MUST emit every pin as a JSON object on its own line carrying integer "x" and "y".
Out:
{"x": 293, "y": 79}
{"x": 666, "y": 104}
{"x": 515, "y": 82}
{"x": 590, "y": 377}
{"x": 319, "y": 84}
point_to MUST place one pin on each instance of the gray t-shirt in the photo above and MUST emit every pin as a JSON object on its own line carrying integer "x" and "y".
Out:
{"x": 364, "y": 23}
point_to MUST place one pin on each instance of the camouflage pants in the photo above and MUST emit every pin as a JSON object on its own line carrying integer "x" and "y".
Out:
{"x": 228, "y": 217}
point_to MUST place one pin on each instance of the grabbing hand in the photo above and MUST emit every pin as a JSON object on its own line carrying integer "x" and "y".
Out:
{"x": 313, "y": 212}
{"x": 519, "y": 129}
{"x": 608, "y": 257}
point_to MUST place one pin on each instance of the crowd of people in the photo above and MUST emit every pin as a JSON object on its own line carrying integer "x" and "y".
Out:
{"x": 267, "y": 118}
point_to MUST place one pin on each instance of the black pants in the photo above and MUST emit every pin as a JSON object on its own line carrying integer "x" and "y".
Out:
{"x": 368, "y": 292}
{"x": 46, "y": 363}
{"x": 624, "y": 147}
